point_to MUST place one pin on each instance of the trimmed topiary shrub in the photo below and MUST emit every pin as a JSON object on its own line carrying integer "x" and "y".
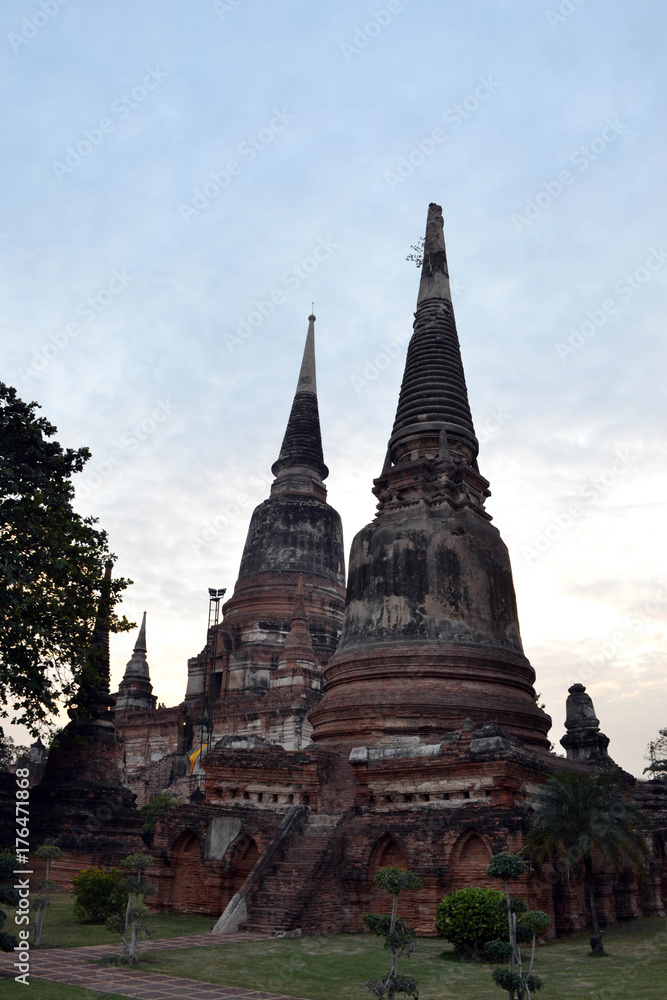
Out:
{"x": 471, "y": 917}
{"x": 99, "y": 895}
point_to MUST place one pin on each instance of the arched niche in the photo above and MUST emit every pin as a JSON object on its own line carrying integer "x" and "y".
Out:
{"x": 189, "y": 893}
{"x": 387, "y": 852}
{"x": 468, "y": 861}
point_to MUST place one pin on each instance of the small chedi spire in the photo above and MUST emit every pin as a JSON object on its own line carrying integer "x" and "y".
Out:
{"x": 300, "y": 466}
{"x": 135, "y": 690}
{"x": 298, "y": 674}
{"x": 298, "y": 654}
{"x": 583, "y": 740}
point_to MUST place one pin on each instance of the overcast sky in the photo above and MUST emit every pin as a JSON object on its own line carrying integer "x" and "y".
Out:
{"x": 182, "y": 178}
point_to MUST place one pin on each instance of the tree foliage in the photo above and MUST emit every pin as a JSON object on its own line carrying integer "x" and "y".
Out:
{"x": 578, "y": 816}
{"x": 136, "y": 888}
{"x": 656, "y": 755}
{"x": 51, "y": 567}
{"x": 416, "y": 257}
{"x": 159, "y": 806}
{"x": 10, "y": 752}
{"x": 506, "y": 866}
{"x": 395, "y": 880}
{"x": 48, "y": 853}
{"x": 399, "y": 938}
{"x": 523, "y": 925}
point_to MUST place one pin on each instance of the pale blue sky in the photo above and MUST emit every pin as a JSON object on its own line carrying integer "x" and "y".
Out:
{"x": 322, "y": 107}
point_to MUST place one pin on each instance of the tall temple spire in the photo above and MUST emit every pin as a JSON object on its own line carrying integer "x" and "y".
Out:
{"x": 433, "y": 413}
{"x": 431, "y": 634}
{"x": 99, "y": 643}
{"x": 300, "y": 466}
{"x": 293, "y": 533}
{"x": 135, "y": 690}
{"x": 93, "y": 699}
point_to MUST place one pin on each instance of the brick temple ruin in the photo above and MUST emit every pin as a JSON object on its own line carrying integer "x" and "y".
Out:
{"x": 324, "y": 732}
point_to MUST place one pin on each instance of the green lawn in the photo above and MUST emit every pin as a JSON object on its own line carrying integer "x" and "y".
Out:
{"x": 332, "y": 968}
{"x": 63, "y": 931}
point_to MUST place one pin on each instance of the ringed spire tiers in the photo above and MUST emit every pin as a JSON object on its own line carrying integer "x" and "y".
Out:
{"x": 431, "y": 633}
{"x": 433, "y": 406}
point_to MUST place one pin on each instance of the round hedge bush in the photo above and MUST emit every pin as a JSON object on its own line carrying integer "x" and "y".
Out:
{"x": 471, "y": 917}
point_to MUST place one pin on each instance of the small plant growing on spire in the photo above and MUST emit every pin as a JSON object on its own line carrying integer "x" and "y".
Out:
{"x": 49, "y": 853}
{"x": 399, "y": 938}
{"x": 417, "y": 255}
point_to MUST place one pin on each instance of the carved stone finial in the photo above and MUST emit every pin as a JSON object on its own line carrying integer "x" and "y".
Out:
{"x": 583, "y": 741}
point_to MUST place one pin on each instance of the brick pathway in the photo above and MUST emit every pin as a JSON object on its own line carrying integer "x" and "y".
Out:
{"x": 72, "y": 965}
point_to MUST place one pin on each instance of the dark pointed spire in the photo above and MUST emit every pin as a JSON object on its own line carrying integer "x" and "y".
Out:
{"x": 137, "y": 665}
{"x": 434, "y": 397}
{"x": 135, "y": 690}
{"x": 93, "y": 699}
{"x": 302, "y": 444}
{"x": 99, "y": 643}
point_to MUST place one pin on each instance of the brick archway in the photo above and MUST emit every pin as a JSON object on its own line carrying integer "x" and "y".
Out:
{"x": 387, "y": 853}
{"x": 468, "y": 861}
{"x": 189, "y": 891}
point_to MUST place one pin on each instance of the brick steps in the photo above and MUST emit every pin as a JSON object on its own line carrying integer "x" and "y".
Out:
{"x": 276, "y": 904}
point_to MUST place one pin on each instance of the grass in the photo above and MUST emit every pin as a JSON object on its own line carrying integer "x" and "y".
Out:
{"x": 331, "y": 968}
{"x": 62, "y": 930}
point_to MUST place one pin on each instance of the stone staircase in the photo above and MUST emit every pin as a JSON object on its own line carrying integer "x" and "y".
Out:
{"x": 276, "y": 901}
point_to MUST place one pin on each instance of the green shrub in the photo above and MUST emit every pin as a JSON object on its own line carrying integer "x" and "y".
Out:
{"x": 8, "y": 895}
{"x": 158, "y": 807}
{"x": 471, "y": 917}
{"x": 99, "y": 894}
